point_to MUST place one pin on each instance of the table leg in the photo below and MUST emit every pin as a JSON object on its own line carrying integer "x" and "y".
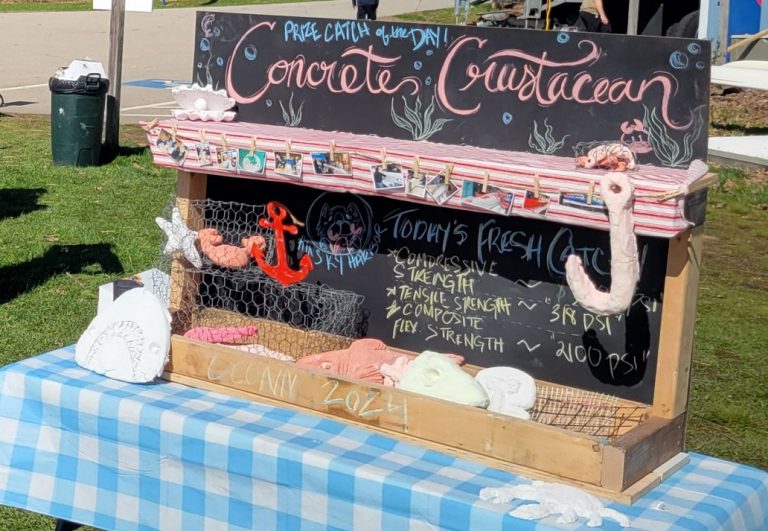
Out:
{"x": 64, "y": 525}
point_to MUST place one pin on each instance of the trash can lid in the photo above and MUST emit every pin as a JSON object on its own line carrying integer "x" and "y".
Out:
{"x": 90, "y": 84}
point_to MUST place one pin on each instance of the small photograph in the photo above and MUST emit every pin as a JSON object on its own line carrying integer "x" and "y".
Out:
{"x": 252, "y": 161}
{"x": 583, "y": 201}
{"x": 388, "y": 177}
{"x": 226, "y": 159}
{"x": 338, "y": 164}
{"x": 205, "y": 154}
{"x": 441, "y": 189}
{"x": 178, "y": 151}
{"x": 416, "y": 183}
{"x": 170, "y": 144}
{"x": 494, "y": 199}
{"x": 537, "y": 205}
{"x": 164, "y": 140}
{"x": 289, "y": 164}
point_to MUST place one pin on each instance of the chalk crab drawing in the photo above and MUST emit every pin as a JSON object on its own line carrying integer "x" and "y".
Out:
{"x": 570, "y": 503}
{"x": 635, "y": 137}
{"x": 341, "y": 234}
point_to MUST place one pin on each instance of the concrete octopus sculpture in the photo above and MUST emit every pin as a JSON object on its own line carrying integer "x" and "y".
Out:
{"x": 569, "y": 502}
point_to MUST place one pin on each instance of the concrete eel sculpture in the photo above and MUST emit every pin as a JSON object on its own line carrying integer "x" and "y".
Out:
{"x": 617, "y": 194}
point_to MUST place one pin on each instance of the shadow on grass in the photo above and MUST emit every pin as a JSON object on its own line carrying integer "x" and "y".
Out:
{"x": 58, "y": 259}
{"x": 122, "y": 151}
{"x": 15, "y": 202}
{"x": 745, "y": 131}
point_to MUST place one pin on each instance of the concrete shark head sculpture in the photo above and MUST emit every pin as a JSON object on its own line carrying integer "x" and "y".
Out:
{"x": 437, "y": 375}
{"x": 130, "y": 341}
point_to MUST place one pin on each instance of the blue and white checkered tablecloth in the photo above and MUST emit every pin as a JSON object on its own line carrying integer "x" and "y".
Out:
{"x": 84, "y": 448}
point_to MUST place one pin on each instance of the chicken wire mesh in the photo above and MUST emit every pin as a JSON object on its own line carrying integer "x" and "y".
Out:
{"x": 222, "y": 295}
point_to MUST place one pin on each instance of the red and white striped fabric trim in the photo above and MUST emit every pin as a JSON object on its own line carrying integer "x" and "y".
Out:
{"x": 515, "y": 171}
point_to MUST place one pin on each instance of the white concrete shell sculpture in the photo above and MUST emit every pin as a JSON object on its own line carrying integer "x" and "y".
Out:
{"x": 129, "y": 341}
{"x": 202, "y": 103}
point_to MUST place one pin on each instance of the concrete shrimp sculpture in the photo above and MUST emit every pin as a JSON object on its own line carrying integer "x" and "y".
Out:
{"x": 569, "y": 502}
{"x": 614, "y": 157}
{"x": 213, "y": 246}
{"x": 616, "y": 191}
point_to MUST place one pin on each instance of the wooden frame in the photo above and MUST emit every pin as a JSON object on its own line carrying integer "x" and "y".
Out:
{"x": 621, "y": 468}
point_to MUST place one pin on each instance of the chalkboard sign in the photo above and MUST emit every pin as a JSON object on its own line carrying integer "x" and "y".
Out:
{"x": 522, "y": 90}
{"x": 488, "y": 287}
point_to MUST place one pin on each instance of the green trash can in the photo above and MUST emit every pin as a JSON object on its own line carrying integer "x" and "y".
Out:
{"x": 77, "y": 119}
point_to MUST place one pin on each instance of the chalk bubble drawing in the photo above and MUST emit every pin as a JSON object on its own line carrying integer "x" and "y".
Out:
{"x": 678, "y": 60}
{"x": 250, "y": 52}
{"x": 419, "y": 123}
{"x": 506, "y": 118}
{"x": 291, "y": 116}
{"x": 563, "y": 37}
{"x": 545, "y": 141}
{"x": 694, "y": 48}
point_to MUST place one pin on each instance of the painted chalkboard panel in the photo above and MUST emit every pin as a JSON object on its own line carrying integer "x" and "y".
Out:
{"x": 485, "y": 286}
{"x": 522, "y": 90}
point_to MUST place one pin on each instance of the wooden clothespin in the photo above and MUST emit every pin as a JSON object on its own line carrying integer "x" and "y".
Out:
{"x": 447, "y": 173}
{"x": 416, "y": 163}
{"x": 536, "y": 186}
{"x": 253, "y": 145}
{"x": 332, "y": 150}
{"x": 383, "y": 156}
{"x": 151, "y": 125}
{"x": 591, "y": 192}
{"x": 224, "y": 141}
{"x": 202, "y": 136}
{"x": 173, "y": 131}
{"x": 487, "y": 175}
{"x": 668, "y": 195}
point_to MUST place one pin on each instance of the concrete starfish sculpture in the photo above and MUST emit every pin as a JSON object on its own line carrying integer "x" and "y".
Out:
{"x": 180, "y": 238}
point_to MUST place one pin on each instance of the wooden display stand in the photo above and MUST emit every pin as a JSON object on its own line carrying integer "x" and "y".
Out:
{"x": 498, "y": 111}
{"x": 646, "y": 449}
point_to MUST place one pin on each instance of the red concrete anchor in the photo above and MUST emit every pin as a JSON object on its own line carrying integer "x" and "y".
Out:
{"x": 281, "y": 271}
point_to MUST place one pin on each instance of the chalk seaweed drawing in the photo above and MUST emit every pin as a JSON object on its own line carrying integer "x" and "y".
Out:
{"x": 669, "y": 151}
{"x": 419, "y": 124}
{"x": 545, "y": 141}
{"x": 209, "y": 32}
{"x": 291, "y": 116}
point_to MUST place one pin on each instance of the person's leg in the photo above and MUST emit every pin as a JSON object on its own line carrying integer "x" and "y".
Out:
{"x": 372, "y": 11}
{"x": 361, "y": 10}
{"x": 588, "y": 22}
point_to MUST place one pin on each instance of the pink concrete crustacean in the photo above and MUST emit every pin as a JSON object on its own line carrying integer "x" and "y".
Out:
{"x": 362, "y": 360}
{"x": 615, "y": 157}
{"x": 227, "y": 334}
{"x": 213, "y": 246}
